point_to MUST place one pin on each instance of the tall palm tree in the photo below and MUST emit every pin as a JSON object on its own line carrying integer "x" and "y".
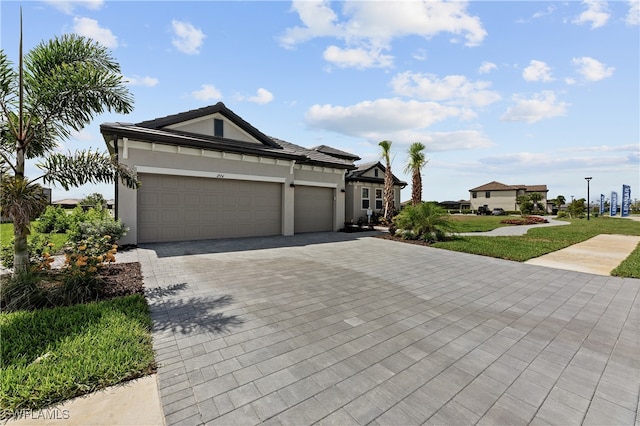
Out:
{"x": 389, "y": 204}
{"x": 57, "y": 88}
{"x": 415, "y": 162}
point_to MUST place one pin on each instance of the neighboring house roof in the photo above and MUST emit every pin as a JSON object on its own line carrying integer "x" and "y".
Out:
{"x": 498, "y": 186}
{"x": 336, "y": 152}
{"x": 357, "y": 175}
{"x": 156, "y": 131}
{"x": 67, "y": 201}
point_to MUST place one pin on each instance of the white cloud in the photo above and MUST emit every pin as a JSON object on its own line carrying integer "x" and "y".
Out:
{"x": 633, "y": 16}
{"x": 188, "y": 39}
{"x": 456, "y": 89}
{"x": 357, "y": 58}
{"x": 368, "y": 28}
{"x": 379, "y": 118}
{"x": 591, "y": 69}
{"x": 552, "y": 161}
{"x": 537, "y": 71}
{"x": 207, "y": 92}
{"x": 487, "y": 67}
{"x": 88, "y": 27}
{"x": 263, "y": 96}
{"x": 541, "y": 106}
{"x": 68, "y": 7}
{"x": 141, "y": 81}
{"x": 548, "y": 11}
{"x": 597, "y": 14}
{"x": 420, "y": 55}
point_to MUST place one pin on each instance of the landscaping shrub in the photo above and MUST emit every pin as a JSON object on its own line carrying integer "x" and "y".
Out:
{"x": 39, "y": 253}
{"x": 53, "y": 219}
{"x": 425, "y": 221}
{"x": 23, "y": 291}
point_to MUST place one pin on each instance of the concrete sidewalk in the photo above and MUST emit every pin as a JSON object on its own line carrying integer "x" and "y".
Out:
{"x": 598, "y": 255}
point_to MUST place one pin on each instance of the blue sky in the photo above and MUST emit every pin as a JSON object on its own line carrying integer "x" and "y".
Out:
{"x": 518, "y": 92}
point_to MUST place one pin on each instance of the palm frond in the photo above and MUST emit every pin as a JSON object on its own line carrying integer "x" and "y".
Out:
{"x": 81, "y": 167}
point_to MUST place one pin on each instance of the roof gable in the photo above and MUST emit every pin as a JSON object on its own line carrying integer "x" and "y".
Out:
{"x": 365, "y": 172}
{"x": 191, "y": 122}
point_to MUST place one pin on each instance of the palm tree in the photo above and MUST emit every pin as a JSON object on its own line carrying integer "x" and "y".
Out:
{"x": 389, "y": 206}
{"x": 560, "y": 200}
{"x": 415, "y": 162}
{"x": 57, "y": 88}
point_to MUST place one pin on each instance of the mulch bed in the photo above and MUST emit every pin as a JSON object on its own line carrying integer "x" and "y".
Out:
{"x": 394, "y": 238}
{"x": 121, "y": 279}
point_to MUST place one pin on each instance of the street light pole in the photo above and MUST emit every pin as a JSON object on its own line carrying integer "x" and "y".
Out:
{"x": 588, "y": 203}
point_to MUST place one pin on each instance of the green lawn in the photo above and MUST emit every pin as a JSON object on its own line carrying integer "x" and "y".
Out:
{"x": 473, "y": 223}
{"x": 6, "y": 236}
{"x": 539, "y": 241}
{"x": 50, "y": 355}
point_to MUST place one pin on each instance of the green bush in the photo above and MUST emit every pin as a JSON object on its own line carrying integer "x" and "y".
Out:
{"x": 562, "y": 214}
{"x": 53, "y": 219}
{"x": 39, "y": 253}
{"x": 94, "y": 223}
{"x": 425, "y": 221}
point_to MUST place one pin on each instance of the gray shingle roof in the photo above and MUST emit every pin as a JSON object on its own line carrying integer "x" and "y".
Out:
{"x": 155, "y": 131}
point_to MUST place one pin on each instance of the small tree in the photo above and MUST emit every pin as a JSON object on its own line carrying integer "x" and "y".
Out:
{"x": 389, "y": 203}
{"x": 576, "y": 208}
{"x": 95, "y": 200}
{"x": 535, "y": 198}
{"x": 415, "y": 162}
{"x": 526, "y": 206}
{"x": 58, "y": 87}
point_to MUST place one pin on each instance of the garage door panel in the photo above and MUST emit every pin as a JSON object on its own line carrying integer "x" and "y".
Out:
{"x": 175, "y": 208}
{"x": 313, "y": 209}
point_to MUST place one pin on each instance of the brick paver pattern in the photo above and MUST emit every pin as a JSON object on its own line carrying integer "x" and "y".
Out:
{"x": 350, "y": 329}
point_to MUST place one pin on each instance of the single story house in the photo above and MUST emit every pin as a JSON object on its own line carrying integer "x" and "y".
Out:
{"x": 459, "y": 205}
{"x": 365, "y": 189}
{"x": 498, "y": 195}
{"x": 207, "y": 173}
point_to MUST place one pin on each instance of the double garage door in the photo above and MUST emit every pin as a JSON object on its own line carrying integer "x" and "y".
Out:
{"x": 182, "y": 208}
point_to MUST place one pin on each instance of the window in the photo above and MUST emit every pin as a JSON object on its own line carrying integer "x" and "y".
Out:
{"x": 378, "y": 198}
{"x": 375, "y": 172}
{"x": 365, "y": 198}
{"x": 218, "y": 127}
{"x": 487, "y": 194}
{"x": 474, "y": 194}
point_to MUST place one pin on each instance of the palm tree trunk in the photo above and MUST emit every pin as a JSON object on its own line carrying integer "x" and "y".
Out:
{"x": 389, "y": 205}
{"x": 416, "y": 188}
{"x": 20, "y": 223}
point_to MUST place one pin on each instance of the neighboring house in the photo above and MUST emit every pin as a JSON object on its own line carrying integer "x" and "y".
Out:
{"x": 498, "y": 195}
{"x": 207, "y": 173}
{"x": 365, "y": 188}
{"x": 67, "y": 203}
{"x": 459, "y": 205}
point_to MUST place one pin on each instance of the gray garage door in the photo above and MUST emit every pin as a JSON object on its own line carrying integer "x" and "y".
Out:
{"x": 181, "y": 208}
{"x": 313, "y": 209}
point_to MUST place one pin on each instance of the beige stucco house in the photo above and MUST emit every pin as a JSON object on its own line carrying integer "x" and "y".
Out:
{"x": 207, "y": 173}
{"x": 365, "y": 188}
{"x": 498, "y": 195}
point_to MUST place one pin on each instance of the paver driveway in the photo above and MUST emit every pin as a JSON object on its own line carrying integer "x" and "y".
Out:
{"x": 350, "y": 329}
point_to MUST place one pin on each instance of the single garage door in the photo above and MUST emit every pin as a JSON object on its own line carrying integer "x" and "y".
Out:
{"x": 181, "y": 208}
{"x": 313, "y": 209}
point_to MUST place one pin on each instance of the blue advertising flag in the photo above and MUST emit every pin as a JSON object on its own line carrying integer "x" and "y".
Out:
{"x": 601, "y": 204}
{"x": 614, "y": 203}
{"x": 625, "y": 209}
